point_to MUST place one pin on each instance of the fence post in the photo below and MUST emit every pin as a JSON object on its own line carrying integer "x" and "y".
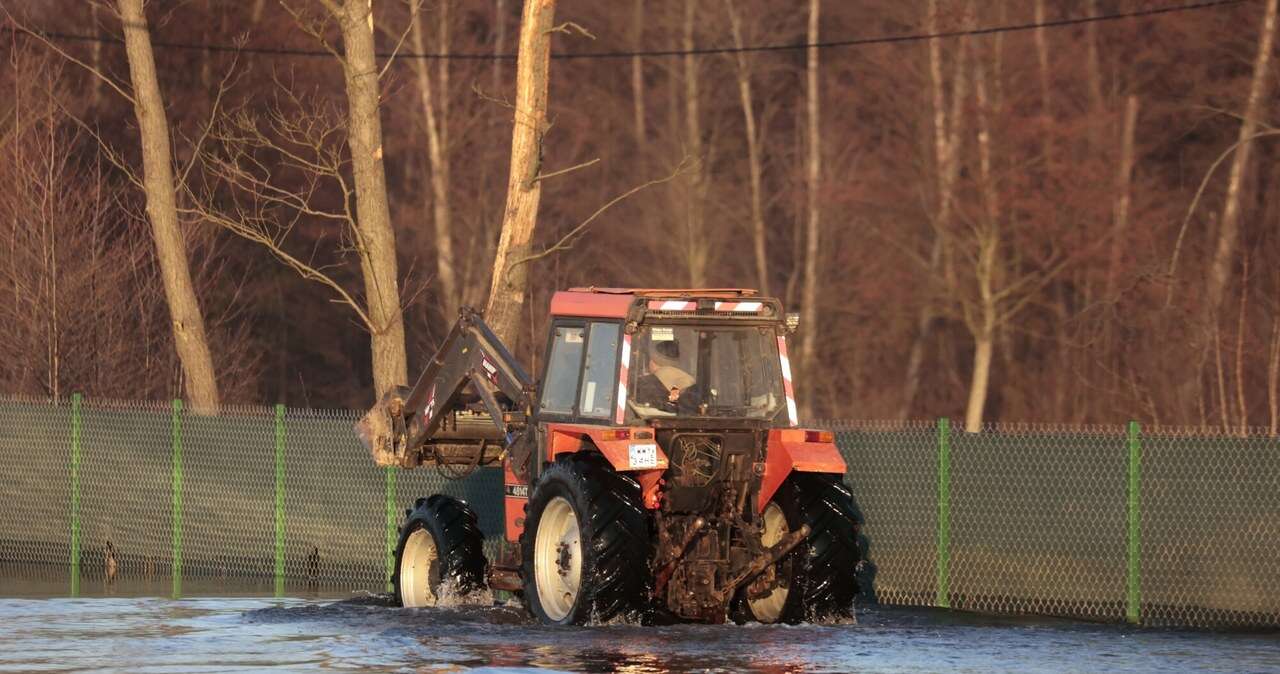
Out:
{"x": 391, "y": 524}
{"x": 943, "y": 600}
{"x": 279, "y": 500}
{"x": 1134, "y": 584}
{"x": 177, "y": 498}
{"x": 75, "y": 494}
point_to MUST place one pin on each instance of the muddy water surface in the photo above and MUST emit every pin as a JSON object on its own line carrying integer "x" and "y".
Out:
{"x": 364, "y": 634}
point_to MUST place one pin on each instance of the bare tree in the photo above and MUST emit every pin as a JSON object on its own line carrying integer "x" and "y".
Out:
{"x": 754, "y": 160}
{"x": 282, "y": 164}
{"x": 694, "y": 245}
{"x": 637, "y": 74}
{"x": 813, "y": 174}
{"x": 1042, "y": 56}
{"x": 524, "y": 187}
{"x": 1224, "y": 257}
{"x": 981, "y": 315}
{"x": 446, "y": 269}
{"x": 162, "y": 210}
{"x": 1124, "y": 193}
{"x": 947, "y": 134}
{"x": 374, "y": 237}
{"x": 1273, "y": 376}
{"x": 84, "y": 305}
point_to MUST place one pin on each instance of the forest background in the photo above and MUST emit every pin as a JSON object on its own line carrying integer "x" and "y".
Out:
{"x": 1070, "y": 223}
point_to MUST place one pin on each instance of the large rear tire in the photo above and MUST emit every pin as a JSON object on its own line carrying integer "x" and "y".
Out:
{"x": 586, "y": 545}
{"x": 816, "y": 580}
{"x": 440, "y": 551}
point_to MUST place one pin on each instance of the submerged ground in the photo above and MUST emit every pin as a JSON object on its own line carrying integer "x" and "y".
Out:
{"x": 253, "y": 633}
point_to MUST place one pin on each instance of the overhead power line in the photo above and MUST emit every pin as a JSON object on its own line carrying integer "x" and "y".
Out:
{"x": 704, "y": 51}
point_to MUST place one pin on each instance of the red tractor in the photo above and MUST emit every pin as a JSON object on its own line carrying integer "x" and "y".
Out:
{"x": 656, "y": 468}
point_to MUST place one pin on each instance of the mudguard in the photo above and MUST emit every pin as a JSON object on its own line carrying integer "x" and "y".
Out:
{"x": 632, "y": 454}
{"x": 638, "y": 455}
{"x": 788, "y": 451}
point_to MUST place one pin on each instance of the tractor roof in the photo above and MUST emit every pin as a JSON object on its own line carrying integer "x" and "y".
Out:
{"x": 616, "y": 302}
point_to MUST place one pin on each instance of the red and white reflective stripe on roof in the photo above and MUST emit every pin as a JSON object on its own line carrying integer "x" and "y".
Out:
{"x": 682, "y": 305}
{"x": 622, "y": 378}
{"x": 787, "y": 388}
{"x": 672, "y": 305}
{"x": 739, "y": 307}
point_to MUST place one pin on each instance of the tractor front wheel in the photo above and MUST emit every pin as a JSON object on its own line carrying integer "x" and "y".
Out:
{"x": 586, "y": 544}
{"x": 440, "y": 551}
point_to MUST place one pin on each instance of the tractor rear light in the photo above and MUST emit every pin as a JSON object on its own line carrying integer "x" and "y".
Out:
{"x": 616, "y": 434}
{"x": 644, "y": 435}
{"x": 819, "y": 436}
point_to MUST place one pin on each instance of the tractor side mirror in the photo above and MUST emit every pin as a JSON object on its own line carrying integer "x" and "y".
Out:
{"x": 792, "y": 321}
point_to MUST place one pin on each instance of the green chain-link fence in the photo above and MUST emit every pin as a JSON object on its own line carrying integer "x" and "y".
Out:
{"x": 250, "y": 493}
{"x": 1160, "y": 526}
{"x": 1165, "y": 526}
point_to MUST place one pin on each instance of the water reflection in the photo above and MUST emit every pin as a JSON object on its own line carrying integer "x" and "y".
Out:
{"x": 367, "y": 634}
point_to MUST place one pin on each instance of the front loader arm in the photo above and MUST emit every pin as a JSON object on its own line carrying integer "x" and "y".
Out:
{"x": 405, "y": 421}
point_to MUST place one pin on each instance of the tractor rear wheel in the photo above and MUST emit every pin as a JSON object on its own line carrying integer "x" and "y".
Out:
{"x": 815, "y": 581}
{"x": 440, "y": 551}
{"x": 586, "y": 544}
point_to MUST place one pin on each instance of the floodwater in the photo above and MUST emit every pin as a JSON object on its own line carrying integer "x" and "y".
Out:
{"x": 111, "y": 632}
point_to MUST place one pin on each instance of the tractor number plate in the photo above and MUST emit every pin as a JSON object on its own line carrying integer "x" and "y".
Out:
{"x": 643, "y": 456}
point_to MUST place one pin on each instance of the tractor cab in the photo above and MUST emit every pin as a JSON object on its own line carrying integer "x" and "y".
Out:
{"x": 635, "y": 356}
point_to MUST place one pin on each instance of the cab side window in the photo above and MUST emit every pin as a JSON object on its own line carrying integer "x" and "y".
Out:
{"x": 561, "y": 382}
{"x": 599, "y": 379}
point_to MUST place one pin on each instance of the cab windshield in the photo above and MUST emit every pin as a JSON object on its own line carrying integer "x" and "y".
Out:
{"x": 708, "y": 372}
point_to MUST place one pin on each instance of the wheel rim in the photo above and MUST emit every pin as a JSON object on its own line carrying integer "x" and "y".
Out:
{"x": 419, "y": 570}
{"x": 768, "y": 608}
{"x": 557, "y": 560}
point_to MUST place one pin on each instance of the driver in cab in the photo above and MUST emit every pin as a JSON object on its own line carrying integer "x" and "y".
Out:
{"x": 661, "y": 386}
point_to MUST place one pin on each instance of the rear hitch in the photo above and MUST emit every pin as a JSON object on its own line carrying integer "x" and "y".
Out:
{"x": 765, "y": 560}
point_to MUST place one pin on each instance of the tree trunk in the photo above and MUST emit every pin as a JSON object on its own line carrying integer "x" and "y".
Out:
{"x": 1241, "y": 405}
{"x": 376, "y": 240}
{"x": 809, "y": 301}
{"x": 915, "y": 357}
{"x": 533, "y": 59}
{"x": 1273, "y": 376}
{"x": 946, "y": 147}
{"x": 988, "y": 232}
{"x": 442, "y": 76}
{"x": 1124, "y": 178}
{"x": 637, "y": 75}
{"x": 446, "y": 268}
{"x": 189, "y": 337}
{"x": 1042, "y": 53}
{"x": 95, "y": 50}
{"x": 754, "y": 161}
{"x": 695, "y": 244}
{"x": 1229, "y": 226}
{"x": 1224, "y": 407}
{"x": 1093, "y": 66}
{"x": 499, "y": 40}
{"x": 982, "y": 347}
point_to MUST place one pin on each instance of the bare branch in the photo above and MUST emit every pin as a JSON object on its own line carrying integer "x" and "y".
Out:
{"x": 563, "y": 171}
{"x": 313, "y": 28}
{"x": 1177, "y": 247}
{"x": 399, "y": 43}
{"x": 571, "y": 27}
{"x": 18, "y": 27}
{"x": 566, "y": 241}
{"x": 223, "y": 86}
